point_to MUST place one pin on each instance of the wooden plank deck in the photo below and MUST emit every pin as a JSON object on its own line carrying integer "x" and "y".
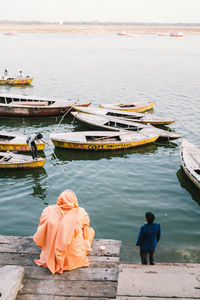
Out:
{"x": 98, "y": 281}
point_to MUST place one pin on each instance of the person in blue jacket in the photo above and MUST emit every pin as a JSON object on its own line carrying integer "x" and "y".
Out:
{"x": 148, "y": 238}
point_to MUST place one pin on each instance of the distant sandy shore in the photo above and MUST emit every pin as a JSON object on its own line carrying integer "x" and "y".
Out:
{"x": 97, "y": 29}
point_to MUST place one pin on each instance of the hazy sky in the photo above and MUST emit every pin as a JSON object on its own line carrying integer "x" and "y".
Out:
{"x": 102, "y": 10}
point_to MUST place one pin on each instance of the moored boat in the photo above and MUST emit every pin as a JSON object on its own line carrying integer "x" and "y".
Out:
{"x": 114, "y": 123}
{"x": 10, "y": 141}
{"x": 176, "y": 34}
{"x": 16, "y": 81}
{"x": 30, "y": 106}
{"x": 102, "y": 140}
{"x": 10, "y": 160}
{"x": 144, "y": 118}
{"x": 130, "y": 106}
{"x": 122, "y": 33}
{"x": 190, "y": 160}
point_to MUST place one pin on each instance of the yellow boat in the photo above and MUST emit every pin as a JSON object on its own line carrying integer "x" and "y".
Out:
{"x": 102, "y": 140}
{"x": 10, "y": 160}
{"x": 16, "y": 81}
{"x": 16, "y": 142}
{"x": 130, "y": 106}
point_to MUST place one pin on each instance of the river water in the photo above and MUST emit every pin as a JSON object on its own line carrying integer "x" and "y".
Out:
{"x": 116, "y": 188}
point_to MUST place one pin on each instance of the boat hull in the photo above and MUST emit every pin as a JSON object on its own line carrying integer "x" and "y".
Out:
{"x": 36, "y": 111}
{"x": 24, "y": 165}
{"x": 19, "y": 147}
{"x": 186, "y": 162}
{"x": 132, "y": 108}
{"x": 101, "y": 146}
{"x": 16, "y": 81}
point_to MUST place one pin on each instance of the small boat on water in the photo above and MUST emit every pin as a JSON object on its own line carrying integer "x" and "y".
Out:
{"x": 102, "y": 140}
{"x": 122, "y": 33}
{"x": 190, "y": 159}
{"x": 176, "y": 34}
{"x": 16, "y": 81}
{"x": 130, "y": 106}
{"x": 10, "y": 160}
{"x": 114, "y": 123}
{"x": 144, "y": 118}
{"x": 30, "y": 106}
{"x": 10, "y": 141}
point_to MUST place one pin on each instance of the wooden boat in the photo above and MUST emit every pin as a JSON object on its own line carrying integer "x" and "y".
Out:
{"x": 102, "y": 140}
{"x": 16, "y": 81}
{"x": 144, "y": 118}
{"x": 29, "y": 106}
{"x": 114, "y": 123}
{"x": 176, "y": 34}
{"x": 16, "y": 142}
{"x": 10, "y": 160}
{"x": 122, "y": 33}
{"x": 130, "y": 106}
{"x": 190, "y": 159}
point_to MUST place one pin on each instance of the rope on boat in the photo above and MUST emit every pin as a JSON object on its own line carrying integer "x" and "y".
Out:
{"x": 49, "y": 144}
{"x": 52, "y": 150}
{"x": 65, "y": 115}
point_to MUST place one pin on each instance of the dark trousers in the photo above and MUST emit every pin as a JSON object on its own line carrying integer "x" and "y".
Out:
{"x": 147, "y": 255}
{"x": 34, "y": 150}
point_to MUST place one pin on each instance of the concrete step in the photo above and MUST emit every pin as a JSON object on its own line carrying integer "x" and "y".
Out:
{"x": 10, "y": 281}
{"x": 160, "y": 281}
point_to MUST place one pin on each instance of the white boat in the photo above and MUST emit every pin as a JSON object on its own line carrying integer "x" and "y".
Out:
{"x": 144, "y": 118}
{"x": 190, "y": 159}
{"x": 114, "y": 123}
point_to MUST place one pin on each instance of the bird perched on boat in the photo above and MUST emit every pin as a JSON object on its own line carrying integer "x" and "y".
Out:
{"x": 32, "y": 145}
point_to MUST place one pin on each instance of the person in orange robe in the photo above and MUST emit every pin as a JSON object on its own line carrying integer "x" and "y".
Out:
{"x": 64, "y": 235}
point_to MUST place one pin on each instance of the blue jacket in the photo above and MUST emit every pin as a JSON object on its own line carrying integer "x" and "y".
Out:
{"x": 149, "y": 236}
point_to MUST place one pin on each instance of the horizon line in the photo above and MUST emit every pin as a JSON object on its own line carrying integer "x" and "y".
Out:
{"x": 99, "y": 23}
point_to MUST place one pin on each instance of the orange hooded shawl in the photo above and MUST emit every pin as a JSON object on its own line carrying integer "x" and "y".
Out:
{"x": 64, "y": 235}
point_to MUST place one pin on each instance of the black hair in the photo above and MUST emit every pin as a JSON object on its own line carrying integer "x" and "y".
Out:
{"x": 150, "y": 217}
{"x": 39, "y": 136}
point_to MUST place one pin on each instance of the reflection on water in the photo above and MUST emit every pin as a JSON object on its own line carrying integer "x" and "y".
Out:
{"x": 34, "y": 178}
{"x": 39, "y": 189}
{"x": 166, "y": 144}
{"x": 22, "y": 173}
{"x": 163, "y": 254}
{"x": 70, "y": 154}
{"x": 39, "y": 121}
{"x": 188, "y": 185}
{"x": 17, "y": 89}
